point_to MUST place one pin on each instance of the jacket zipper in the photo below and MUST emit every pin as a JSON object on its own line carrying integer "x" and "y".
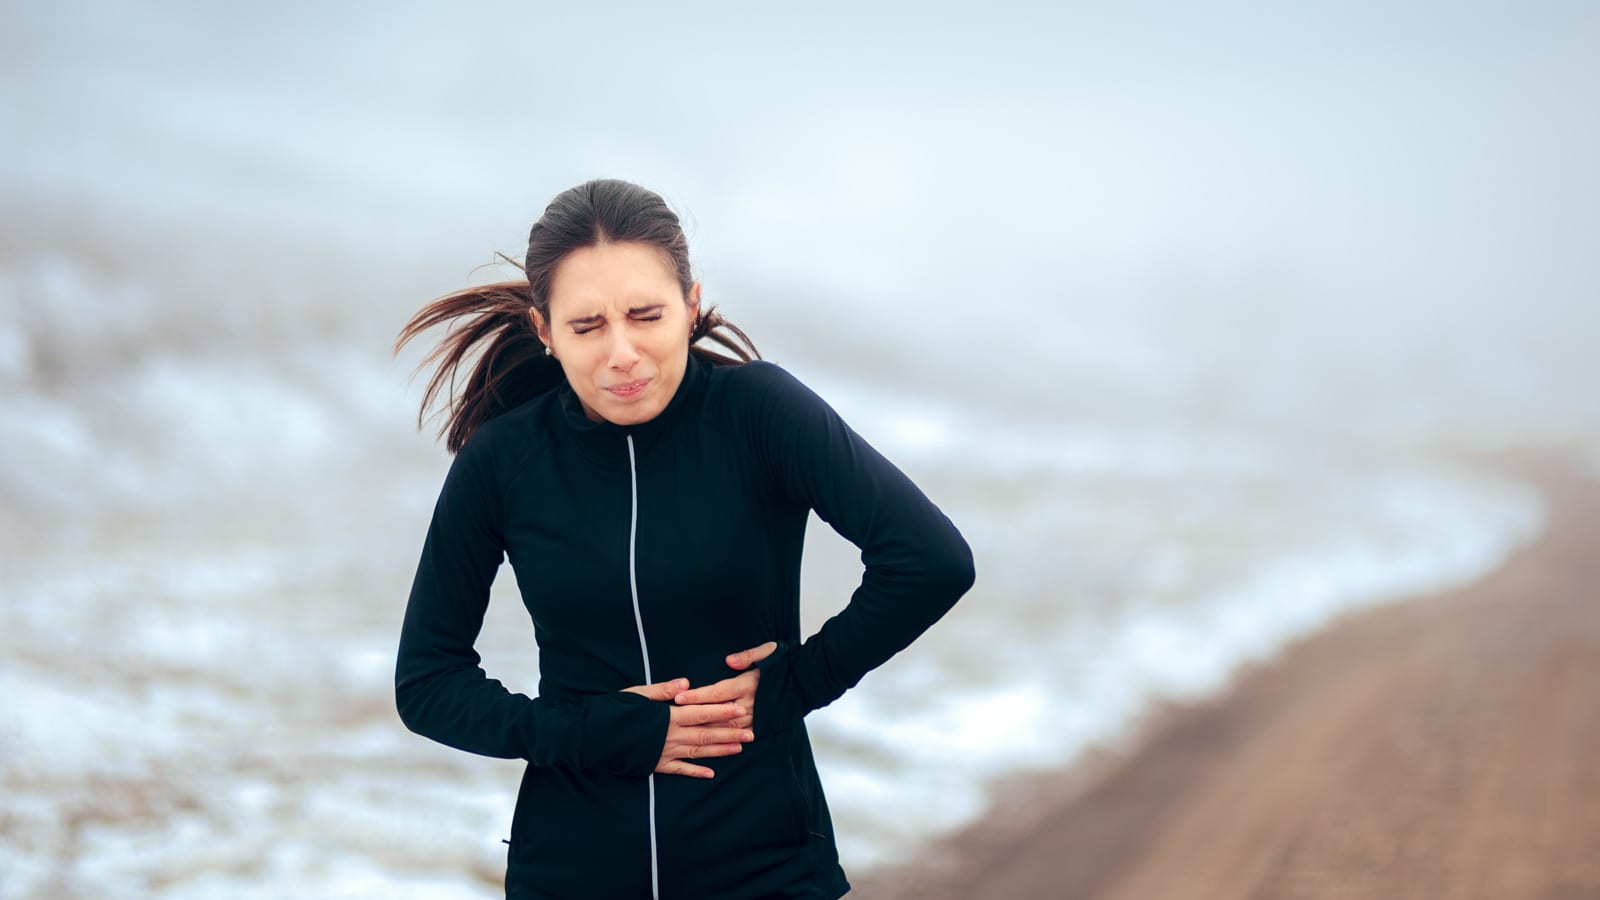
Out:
{"x": 644, "y": 651}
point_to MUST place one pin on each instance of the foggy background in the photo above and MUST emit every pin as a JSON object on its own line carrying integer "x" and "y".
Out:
{"x": 1184, "y": 317}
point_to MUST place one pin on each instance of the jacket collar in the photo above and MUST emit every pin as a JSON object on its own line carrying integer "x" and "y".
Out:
{"x": 606, "y": 442}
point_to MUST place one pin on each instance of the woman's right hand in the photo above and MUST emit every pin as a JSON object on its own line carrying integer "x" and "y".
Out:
{"x": 695, "y": 731}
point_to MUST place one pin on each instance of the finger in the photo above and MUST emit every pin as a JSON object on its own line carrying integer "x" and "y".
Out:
{"x": 742, "y": 722}
{"x": 701, "y": 751}
{"x": 744, "y": 659}
{"x": 702, "y": 735}
{"x": 703, "y": 713}
{"x": 661, "y": 690}
{"x": 679, "y": 767}
{"x": 720, "y": 692}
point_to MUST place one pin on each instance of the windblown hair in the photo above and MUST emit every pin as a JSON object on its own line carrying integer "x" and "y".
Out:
{"x": 511, "y": 366}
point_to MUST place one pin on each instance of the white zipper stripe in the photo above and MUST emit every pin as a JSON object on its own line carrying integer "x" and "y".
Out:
{"x": 644, "y": 651}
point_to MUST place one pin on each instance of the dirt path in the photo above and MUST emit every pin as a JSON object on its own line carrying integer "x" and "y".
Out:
{"x": 1445, "y": 747}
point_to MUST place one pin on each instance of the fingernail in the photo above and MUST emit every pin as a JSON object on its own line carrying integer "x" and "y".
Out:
{"x": 738, "y": 711}
{"x": 749, "y": 735}
{"x": 678, "y": 699}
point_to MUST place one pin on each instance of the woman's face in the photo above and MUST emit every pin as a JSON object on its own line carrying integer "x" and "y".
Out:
{"x": 619, "y": 325}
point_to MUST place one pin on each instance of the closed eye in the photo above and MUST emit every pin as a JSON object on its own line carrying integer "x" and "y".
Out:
{"x": 586, "y": 324}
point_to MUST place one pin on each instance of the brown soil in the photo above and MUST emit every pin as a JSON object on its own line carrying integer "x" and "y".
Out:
{"x": 1443, "y": 747}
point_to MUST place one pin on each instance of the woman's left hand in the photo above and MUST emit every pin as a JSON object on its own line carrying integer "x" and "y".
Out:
{"x": 740, "y": 689}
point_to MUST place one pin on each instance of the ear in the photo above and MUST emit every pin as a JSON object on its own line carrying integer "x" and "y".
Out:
{"x": 539, "y": 326}
{"x": 694, "y": 302}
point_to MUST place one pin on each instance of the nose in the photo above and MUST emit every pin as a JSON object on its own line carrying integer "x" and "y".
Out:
{"x": 623, "y": 354}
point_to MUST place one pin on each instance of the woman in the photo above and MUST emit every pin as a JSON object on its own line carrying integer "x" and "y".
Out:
{"x": 652, "y": 497}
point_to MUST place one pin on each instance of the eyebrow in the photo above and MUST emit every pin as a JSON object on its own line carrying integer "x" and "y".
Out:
{"x": 632, "y": 310}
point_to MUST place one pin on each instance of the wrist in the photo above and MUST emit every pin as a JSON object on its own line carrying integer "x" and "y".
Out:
{"x": 623, "y": 733}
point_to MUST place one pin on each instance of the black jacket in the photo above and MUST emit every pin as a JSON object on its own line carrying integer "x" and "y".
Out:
{"x": 646, "y": 553}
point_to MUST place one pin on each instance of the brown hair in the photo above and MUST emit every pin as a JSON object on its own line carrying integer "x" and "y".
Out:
{"x": 512, "y": 367}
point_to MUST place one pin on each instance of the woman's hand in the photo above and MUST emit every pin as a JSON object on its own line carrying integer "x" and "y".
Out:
{"x": 696, "y": 732}
{"x": 740, "y": 689}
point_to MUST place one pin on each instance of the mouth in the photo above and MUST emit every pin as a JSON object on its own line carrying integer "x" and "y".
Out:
{"x": 628, "y": 389}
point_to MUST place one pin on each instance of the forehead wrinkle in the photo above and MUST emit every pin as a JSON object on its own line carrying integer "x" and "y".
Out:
{"x": 635, "y": 306}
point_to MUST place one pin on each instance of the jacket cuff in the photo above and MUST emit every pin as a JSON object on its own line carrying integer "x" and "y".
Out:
{"x": 623, "y": 733}
{"x": 780, "y": 701}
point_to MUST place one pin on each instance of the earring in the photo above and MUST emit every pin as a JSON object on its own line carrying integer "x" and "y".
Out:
{"x": 546, "y": 349}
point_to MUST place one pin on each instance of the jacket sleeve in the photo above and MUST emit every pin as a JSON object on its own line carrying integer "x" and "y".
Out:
{"x": 916, "y": 562}
{"x": 441, "y": 690}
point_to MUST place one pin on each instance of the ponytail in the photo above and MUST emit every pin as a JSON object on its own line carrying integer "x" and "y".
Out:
{"x": 511, "y": 369}
{"x": 712, "y": 325}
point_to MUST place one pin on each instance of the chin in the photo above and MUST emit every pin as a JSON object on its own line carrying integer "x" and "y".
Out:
{"x": 630, "y": 414}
